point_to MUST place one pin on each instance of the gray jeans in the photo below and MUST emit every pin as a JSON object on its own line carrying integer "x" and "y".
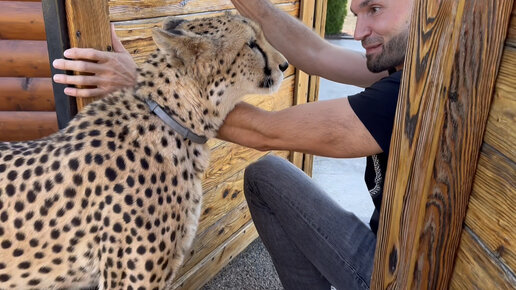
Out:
{"x": 313, "y": 242}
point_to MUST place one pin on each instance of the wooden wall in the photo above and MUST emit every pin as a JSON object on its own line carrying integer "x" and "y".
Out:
{"x": 487, "y": 252}
{"x": 27, "y": 109}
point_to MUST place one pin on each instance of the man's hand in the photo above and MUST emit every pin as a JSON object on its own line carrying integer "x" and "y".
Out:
{"x": 110, "y": 70}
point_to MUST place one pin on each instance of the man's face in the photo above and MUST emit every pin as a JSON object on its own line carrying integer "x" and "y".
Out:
{"x": 383, "y": 26}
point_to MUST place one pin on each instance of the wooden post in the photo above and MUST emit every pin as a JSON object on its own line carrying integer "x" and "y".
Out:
{"x": 312, "y": 13}
{"x": 88, "y": 26}
{"x": 56, "y": 30}
{"x": 451, "y": 64}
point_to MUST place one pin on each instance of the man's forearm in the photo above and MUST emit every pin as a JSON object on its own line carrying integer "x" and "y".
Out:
{"x": 243, "y": 126}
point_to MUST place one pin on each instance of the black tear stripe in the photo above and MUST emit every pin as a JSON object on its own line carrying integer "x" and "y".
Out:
{"x": 267, "y": 81}
{"x": 266, "y": 69}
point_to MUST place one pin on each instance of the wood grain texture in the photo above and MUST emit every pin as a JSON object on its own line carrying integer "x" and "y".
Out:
{"x": 84, "y": 32}
{"x": 207, "y": 241}
{"x": 216, "y": 260}
{"x": 26, "y": 94}
{"x": 22, "y": 126}
{"x": 511, "y": 36}
{"x": 491, "y": 208}
{"x": 121, "y": 10}
{"x": 500, "y": 132}
{"x": 477, "y": 268}
{"x": 21, "y": 20}
{"x": 454, "y": 50}
{"x": 24, "y": 58}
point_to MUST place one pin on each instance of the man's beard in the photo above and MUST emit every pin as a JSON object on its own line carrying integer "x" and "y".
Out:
{"x": 392, "y": 55}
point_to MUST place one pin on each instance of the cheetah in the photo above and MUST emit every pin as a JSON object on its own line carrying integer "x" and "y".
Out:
{"x": 113, "y": 199}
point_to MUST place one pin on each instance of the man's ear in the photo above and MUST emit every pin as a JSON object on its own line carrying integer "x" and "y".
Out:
{"x": 183, "y": 45}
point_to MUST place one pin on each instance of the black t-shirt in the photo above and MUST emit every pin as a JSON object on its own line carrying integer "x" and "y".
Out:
{"x": 376, "y": 107}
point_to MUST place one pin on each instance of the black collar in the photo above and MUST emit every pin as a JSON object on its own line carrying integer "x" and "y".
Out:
{"x": 185, "y": 132}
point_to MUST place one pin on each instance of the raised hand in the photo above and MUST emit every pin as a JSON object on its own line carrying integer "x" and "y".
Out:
{"x": 107, "y": 71}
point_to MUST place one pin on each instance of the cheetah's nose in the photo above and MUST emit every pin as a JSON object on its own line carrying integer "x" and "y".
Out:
{"x": 283, "y": 67}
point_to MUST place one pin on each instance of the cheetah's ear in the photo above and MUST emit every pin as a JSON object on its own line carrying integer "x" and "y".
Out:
{"x": 183, "y": 45}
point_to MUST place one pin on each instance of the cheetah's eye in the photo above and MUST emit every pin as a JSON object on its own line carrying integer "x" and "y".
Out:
{"x": 252, "y": 44}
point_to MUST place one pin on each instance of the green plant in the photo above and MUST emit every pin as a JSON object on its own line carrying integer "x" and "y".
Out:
{"x": 336, "y": 12}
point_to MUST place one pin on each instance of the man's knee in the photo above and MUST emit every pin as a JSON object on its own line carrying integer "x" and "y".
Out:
{"x": 266, "y": 167}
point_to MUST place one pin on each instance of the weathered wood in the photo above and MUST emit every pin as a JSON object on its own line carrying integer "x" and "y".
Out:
{"x": 120, "y": 10}
{"x": 500, "y": 131}
{"x": 21, "y": 20}
{"x": 24, "y": 58}
{"x": 511, "y": 36}
{"x": 306, "y": 16}
{"x": 313, "y": 94}
{"x": 136, "y": 35}
{"x": 491, "y": 207}
{"x": 454, "y": 50}
{"x": 216, "y": 260}
{"x": 207, "y": 241}
{"x": 83, "y": 32}
{"x": 26, "y": 94}
{"x": 478, "y": 268}
{"x": 226, "y": 195}
{"x": 21, "y": 126}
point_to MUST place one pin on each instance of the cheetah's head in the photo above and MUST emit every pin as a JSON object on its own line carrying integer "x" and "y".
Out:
{"x": 227, "y": 50}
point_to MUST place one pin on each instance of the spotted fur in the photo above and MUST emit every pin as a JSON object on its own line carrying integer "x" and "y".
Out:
{"x": 114, "y": 198}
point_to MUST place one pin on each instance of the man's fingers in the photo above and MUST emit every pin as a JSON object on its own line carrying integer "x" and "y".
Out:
{"x": 79, "y": 80}
{"x": 77, "y": 65}
{"x": 84, "y": 93}
{"x": 86, "y": 54}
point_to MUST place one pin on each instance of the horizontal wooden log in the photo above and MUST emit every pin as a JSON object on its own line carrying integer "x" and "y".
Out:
{"x": 21, "y": 20}
{"x": 22, "y": 126}
{"x": 26, "y": 94}
{"x": 491, "y": 207}
{"x": 476, "y": 268}
{"x": 24, "y": 58}
{"x": 500, "y": 132}
{"x": 136, "y": 36}
{"x": 216, "y": 260}
{"x": 120, "y": 10}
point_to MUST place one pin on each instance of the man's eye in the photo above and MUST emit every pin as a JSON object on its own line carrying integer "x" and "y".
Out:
{"x": 375, "y": 10}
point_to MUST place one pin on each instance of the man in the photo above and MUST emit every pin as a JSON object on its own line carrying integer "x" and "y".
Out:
{"x": 313, "y": 242}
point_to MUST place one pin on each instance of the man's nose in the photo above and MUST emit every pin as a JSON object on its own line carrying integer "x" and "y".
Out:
{"x": 362, "y": 30}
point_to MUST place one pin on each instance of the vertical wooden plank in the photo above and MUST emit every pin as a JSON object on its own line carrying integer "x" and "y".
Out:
{"x": 313, "y": 14}
{"x": 306, "y": 15}
{"x": 313, "y": 95}
{"x": 88, "y": 26}
{"x": 57, "y": 42}
{"x": 454, "y": 51}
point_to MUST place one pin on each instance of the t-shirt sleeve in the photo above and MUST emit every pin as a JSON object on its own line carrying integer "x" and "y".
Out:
{"x": 376, "y": 107}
